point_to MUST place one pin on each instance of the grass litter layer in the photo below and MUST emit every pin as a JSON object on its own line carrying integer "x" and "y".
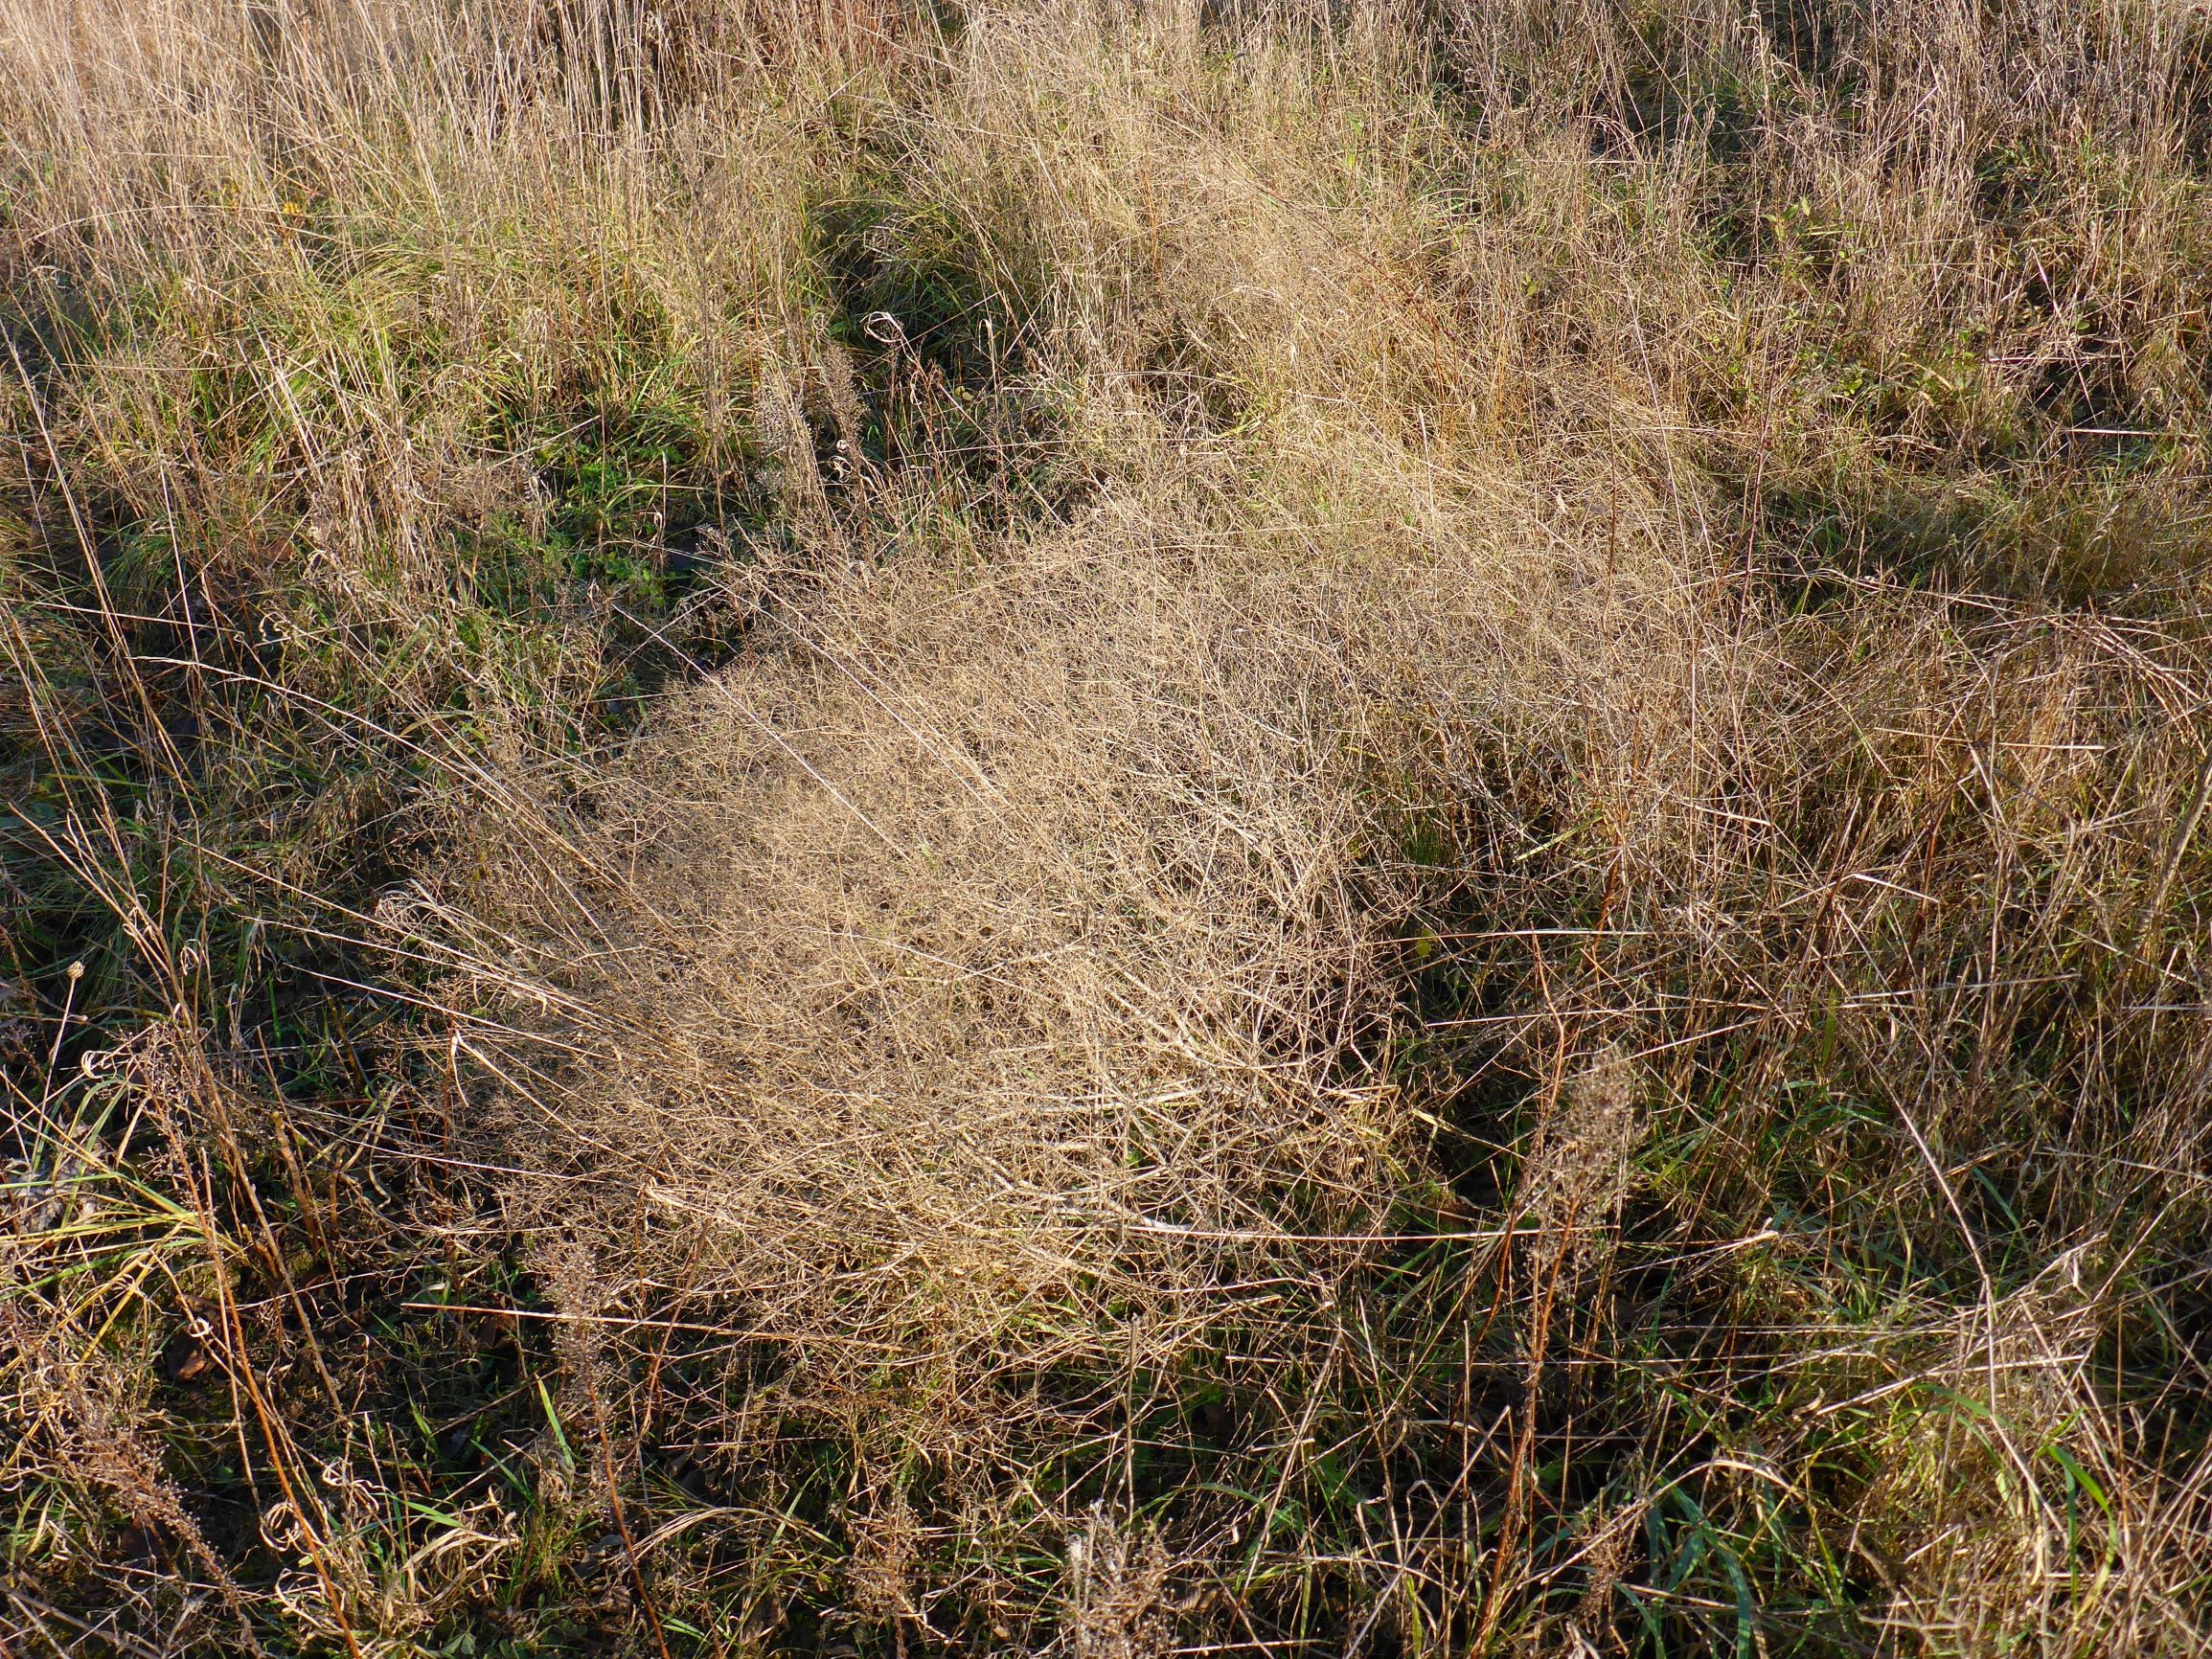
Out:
{"x": 1103, "y": 829}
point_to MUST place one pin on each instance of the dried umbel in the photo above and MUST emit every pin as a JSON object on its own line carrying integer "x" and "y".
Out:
{"x": 792, "y": 469}
{"x": 578, "y": 1294}
{"x": 1579, "y": 1169}
{"x": 1115, "y": 1605}
{"x": 885, "y": 1547}
{"x": 1609, "y": 1548}
{"x": 73, "y": 1405}
{"x": 836, "y": 388}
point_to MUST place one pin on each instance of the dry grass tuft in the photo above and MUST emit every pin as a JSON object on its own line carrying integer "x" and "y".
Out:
{"x": 994, "y": 951}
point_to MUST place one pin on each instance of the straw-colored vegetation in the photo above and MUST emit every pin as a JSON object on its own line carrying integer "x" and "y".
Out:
{"x": 1105, "y": 828}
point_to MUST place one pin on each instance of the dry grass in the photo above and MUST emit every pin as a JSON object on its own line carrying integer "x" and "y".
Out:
{"x": 1107, "y": 830}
